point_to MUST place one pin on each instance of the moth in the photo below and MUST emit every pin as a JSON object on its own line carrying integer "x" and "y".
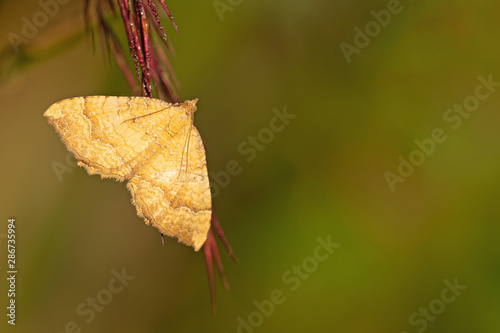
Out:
{"x": 154, "y": 146}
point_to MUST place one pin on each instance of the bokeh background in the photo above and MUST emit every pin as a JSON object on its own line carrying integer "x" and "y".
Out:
{"x": 322, "y": 176}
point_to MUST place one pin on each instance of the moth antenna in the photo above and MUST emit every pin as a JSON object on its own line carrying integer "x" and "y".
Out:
{"x": 186, "y": 146}
{"x": 144, "y": 115}
{"x": 189, "y": 140}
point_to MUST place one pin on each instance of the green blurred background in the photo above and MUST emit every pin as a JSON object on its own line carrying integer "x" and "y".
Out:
{"x": 322, "y": 176}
